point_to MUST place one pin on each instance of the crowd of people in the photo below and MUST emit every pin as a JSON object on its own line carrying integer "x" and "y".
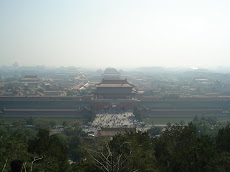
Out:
{"x": 114, "y": 120}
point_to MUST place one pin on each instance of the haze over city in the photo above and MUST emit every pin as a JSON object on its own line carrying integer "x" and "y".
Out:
{"x": 114, "y": 85}
{"x": 115, "y": 33}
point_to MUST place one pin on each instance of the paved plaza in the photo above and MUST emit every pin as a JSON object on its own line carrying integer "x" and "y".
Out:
{"x": 114, "y": 120}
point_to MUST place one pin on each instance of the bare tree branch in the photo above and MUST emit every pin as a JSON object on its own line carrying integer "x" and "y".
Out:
{"x": 98, "y": 162}
{"x": 24, "y": 166}
{"x": 5, "y": 165}
{"x": 35, "y": 159}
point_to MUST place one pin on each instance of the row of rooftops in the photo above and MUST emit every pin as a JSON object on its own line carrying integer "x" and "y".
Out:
{"x": 113, "y": 87}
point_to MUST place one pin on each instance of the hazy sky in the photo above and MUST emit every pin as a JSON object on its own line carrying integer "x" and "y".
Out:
{"x": 124, "y": 33}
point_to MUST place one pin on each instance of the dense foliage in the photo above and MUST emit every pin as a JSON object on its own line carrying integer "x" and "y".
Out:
{"x": 202, "y": 145}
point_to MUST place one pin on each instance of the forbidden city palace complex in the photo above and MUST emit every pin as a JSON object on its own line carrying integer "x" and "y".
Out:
{"x": 114, "y": 91}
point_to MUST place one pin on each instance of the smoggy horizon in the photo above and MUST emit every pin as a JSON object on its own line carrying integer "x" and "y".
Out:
{"x": 124, "y": 34}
